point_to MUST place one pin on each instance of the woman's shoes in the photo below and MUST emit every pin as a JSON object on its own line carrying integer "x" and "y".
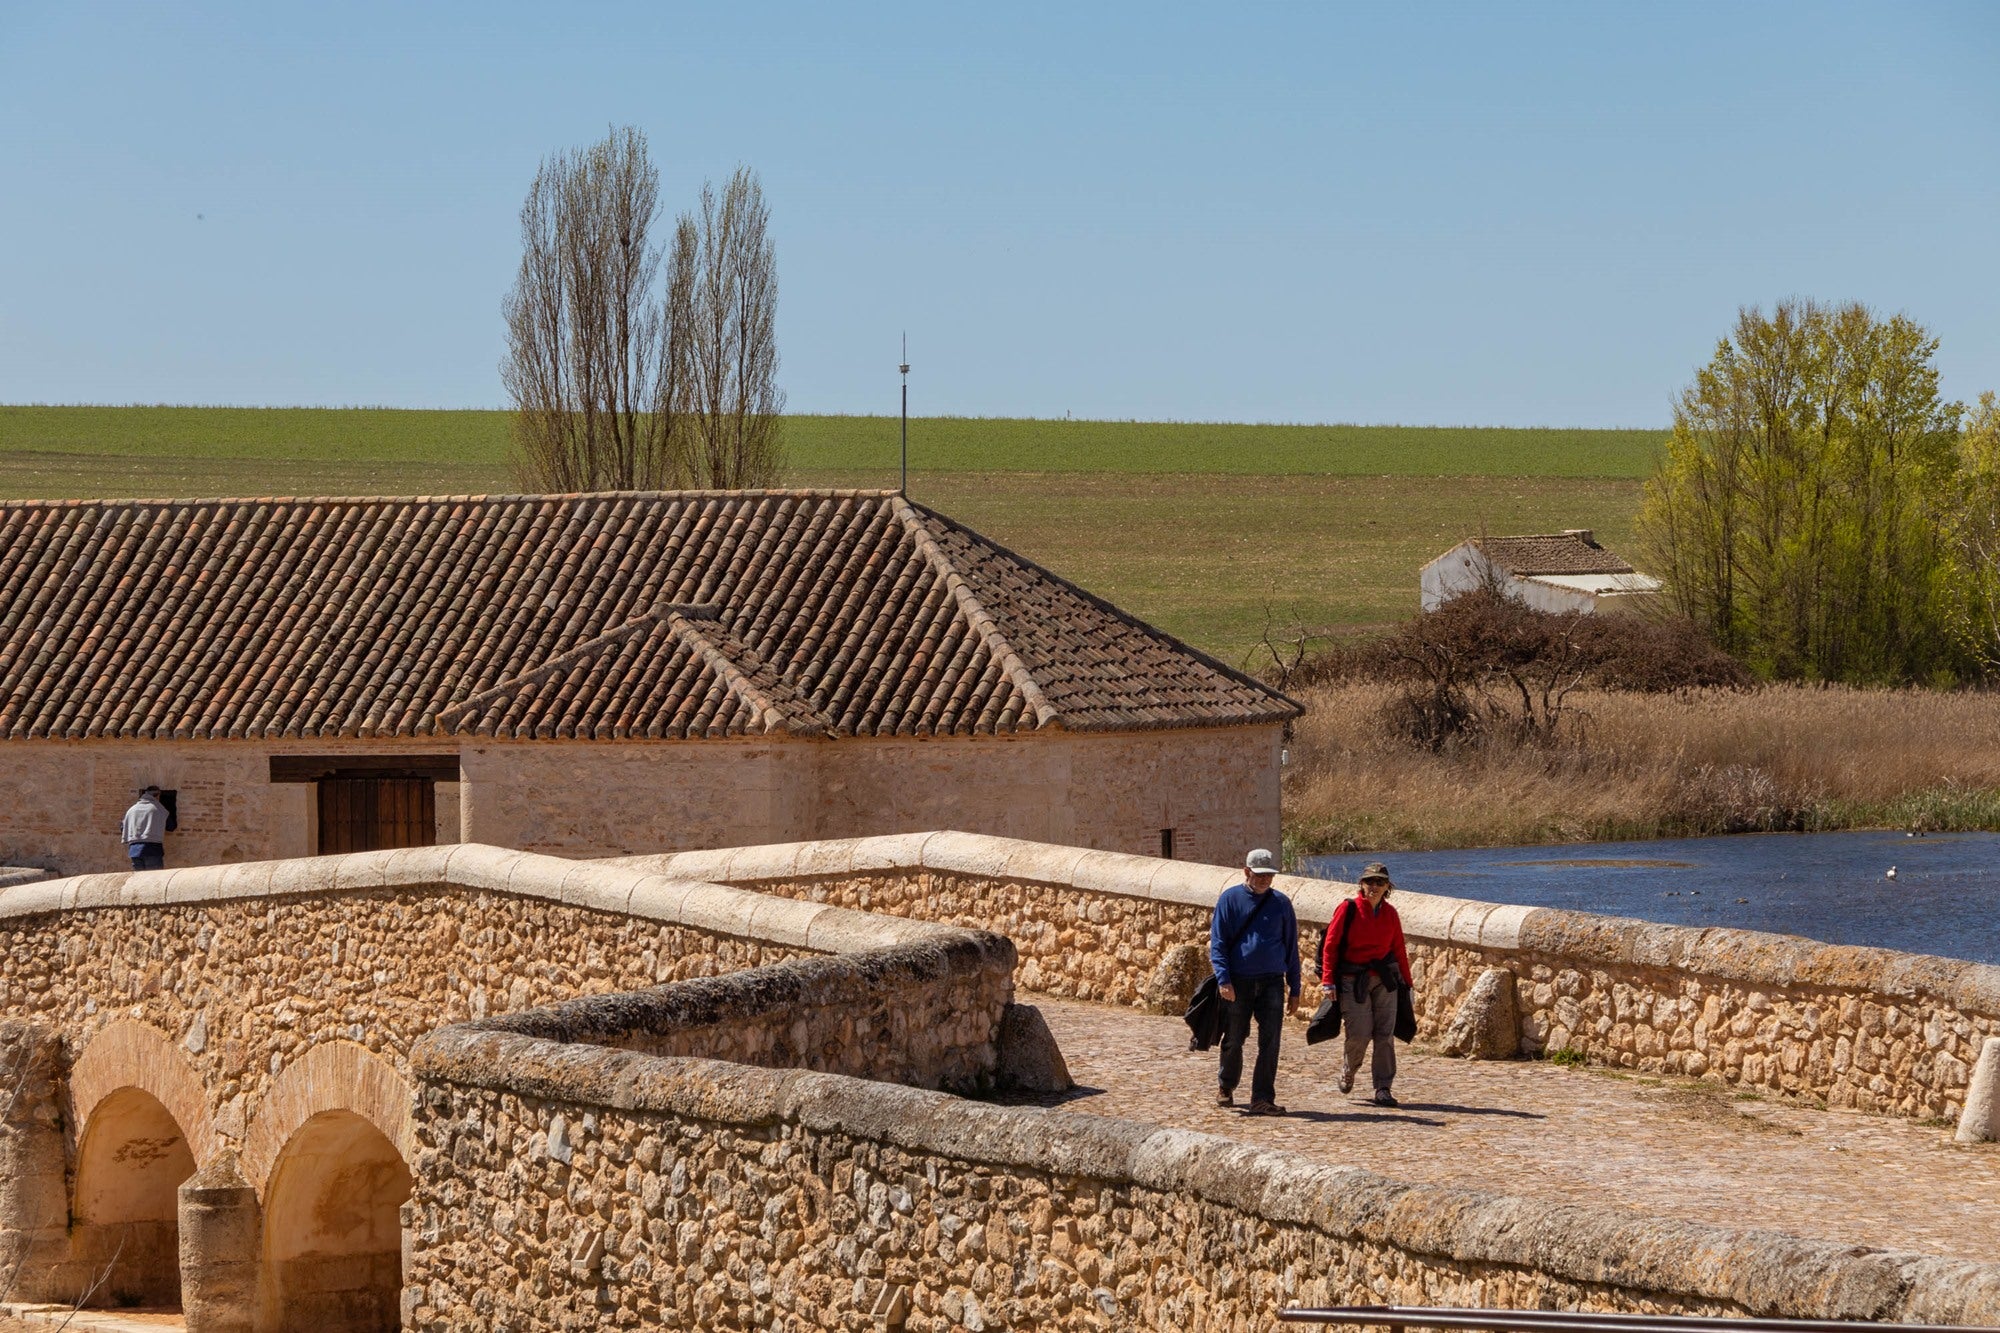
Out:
{"x": 1383, "y": 1097}
{"x": 1265, "y": 1108}
{"x": 1347, "y": 1080}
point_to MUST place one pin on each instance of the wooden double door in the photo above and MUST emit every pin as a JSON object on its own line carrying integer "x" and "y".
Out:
{"x": 374, "y": 814}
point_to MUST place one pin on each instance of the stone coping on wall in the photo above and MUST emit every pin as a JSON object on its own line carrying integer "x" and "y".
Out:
{"x": 596, "y": 885}
{"x": 779, "y": 988}
{"x": 949, "y": 998}
{"x": 12, "y": 875}
{"x": 1762, "y": 1272}
{"x": 1755, "y": 958}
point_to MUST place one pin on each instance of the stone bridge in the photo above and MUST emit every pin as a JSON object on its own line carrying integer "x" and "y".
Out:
{"x": 208, "y": 1070}
{"x": 467, "y": 1088}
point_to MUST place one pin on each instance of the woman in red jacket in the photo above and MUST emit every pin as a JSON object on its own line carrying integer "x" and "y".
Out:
{"x": 1368, "y": 968}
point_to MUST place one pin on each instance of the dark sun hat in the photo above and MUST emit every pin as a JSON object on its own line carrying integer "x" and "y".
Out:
{"x": 1374, "y": 870}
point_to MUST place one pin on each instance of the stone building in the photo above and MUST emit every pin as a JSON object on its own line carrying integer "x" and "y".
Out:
{"x": 1553, "y": 571}
{"x": 591, "y": 675}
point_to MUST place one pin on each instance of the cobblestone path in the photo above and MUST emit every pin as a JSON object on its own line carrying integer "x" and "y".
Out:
{"x": 1671, "y": 1147}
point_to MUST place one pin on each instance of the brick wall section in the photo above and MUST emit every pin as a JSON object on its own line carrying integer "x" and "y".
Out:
{"x": 1865, "y": 1028}
{"x": 565, "y": 1187}
{"x": 1216, "y": 787}
{"x": 60, "y": 801}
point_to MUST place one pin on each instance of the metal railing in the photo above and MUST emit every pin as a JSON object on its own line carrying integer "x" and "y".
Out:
{"x": 1399, "y": 1317}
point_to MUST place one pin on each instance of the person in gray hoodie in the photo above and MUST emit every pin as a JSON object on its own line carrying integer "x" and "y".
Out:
{"x": 144, "y": 831}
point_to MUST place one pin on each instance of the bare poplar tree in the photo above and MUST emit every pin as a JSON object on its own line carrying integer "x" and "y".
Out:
{"x": 586, "y": 334}
{"x": 622, "y": 380}
{"x": 723, "y": 281}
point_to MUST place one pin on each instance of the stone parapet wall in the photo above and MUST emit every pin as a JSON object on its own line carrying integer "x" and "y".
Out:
{"x": 927, "y": 1015}
{"x": 1087, "y": 924}
{"x": 1866, "y": 1028}
{"x": 568, "y": 1187}
{"x": 591, "y": 1147}
{"x": 159, "y": 1025}
{"x": 206, "y": 987}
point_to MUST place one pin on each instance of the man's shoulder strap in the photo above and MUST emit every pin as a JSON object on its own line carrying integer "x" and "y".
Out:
{"x": 1229, "y": 944}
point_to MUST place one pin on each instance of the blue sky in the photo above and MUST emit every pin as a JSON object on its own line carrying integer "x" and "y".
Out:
{"x": 1503, "y": 214}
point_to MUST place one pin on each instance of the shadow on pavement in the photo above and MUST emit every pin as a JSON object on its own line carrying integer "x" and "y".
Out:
{"x": 1450, "y": 1109}
{"x": 1043, "y": 1099}
{"x": 1360, "y": 1117}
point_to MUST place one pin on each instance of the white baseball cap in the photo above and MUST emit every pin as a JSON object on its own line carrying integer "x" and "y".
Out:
{"x": 1261, "y": 862}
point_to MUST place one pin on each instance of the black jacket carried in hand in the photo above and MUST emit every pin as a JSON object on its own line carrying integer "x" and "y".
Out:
{"x": 1325, "y": 1024}
{"x": 1204, "y": 1011}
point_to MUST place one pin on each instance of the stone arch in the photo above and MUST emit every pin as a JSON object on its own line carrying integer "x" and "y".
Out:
{"x": 129, "y": 1054}
{"x": 132, "y": 1158}
{"x": 333, "y": 1236}
{"x": 332, "y": 1076}
{"x": 143, "y": 1126}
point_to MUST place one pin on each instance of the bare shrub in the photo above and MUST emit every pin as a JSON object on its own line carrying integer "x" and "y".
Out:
{"x": 1286, "y": 649}
{"x": 1435, "y": 716}
{"x": 1485, "y": 666}
{"x": 1660, "y": 655}
{"x": 1650, "y": 653}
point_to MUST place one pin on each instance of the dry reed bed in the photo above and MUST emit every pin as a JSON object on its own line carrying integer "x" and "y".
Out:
{"x": 1647, "y": 765}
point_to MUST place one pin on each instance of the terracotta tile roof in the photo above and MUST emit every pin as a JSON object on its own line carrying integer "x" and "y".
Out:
{"x": 593, "y": 616}
{"x": 675, "y": 671}
{"x": 1552, "y": 553}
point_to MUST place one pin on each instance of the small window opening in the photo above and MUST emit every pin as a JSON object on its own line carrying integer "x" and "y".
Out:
{"x": 1167, "y": 844}
{"x": 170, "y": 797}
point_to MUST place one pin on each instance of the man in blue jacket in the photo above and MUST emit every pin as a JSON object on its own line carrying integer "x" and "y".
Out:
{"x": 1253, "y": 945}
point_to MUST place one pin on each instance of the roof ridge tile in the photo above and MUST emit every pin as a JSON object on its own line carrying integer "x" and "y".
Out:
{"x": 800, "y": 720}
{"x": 1046, "y": 713}
{"x": 1162, "y": 641}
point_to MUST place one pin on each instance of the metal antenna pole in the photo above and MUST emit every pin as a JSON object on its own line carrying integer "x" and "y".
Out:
{"x": 904, "y": 489}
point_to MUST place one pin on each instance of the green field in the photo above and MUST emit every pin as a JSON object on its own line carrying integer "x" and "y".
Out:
{"x": 1213, "y": 559}
{"x": 450, "y": 440}
{"x": 1207, "y": 530}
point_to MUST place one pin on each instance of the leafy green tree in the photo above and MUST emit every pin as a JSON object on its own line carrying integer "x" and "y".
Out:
{"x": 1975, "y": 534}
{"x": 1804, "y": 509}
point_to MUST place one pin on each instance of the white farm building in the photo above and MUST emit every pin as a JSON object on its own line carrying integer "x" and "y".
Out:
{"x": 1558, "y": 571}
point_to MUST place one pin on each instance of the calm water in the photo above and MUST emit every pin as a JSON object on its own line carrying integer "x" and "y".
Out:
{"x": 1826, "y": 886}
